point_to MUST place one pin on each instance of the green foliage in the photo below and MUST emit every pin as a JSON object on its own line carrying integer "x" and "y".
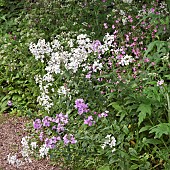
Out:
{"x": 132, "y": 94}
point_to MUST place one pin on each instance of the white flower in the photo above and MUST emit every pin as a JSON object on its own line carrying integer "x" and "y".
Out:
{"x": 11, "y": 159}
{"x": 43, "y": 151}
{"x": 110, "y": 141}
{"x": 113, "y": 142}
{"x": 126, "y": 60}
{"x": 160, "y": 83}
{"x": 33, "y": 145}
{"x": 127, "y": 1}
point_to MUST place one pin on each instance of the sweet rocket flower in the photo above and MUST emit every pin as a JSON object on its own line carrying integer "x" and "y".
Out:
{"x": 61, "y": 118}
{"x": 89, "y": 121}
{"x": 33, "y": 145}
{"x": 104, "y": 114}
{"x": 124, "y": 61}
{"x": 46, "y": 121}
{"x": 41, "y": 136}
{"x": 37, "y": 124}
{"x": 160, "y": 83}
{"x": 9, "y": 103}
{"x": 60, "y": 128}
{"x": 69, "y": 139}
{"x": 109, "y": 141}
{"x": 66, "y": 140}
{"x": 81, "y": 106}
{"x": 43, "y": 151}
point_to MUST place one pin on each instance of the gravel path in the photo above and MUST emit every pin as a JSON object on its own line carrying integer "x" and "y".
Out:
{"x": 11, "y": 132}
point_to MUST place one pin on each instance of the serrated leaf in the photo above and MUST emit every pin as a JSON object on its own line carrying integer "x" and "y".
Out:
{"x": 161, "y": 129}
{"x": 143, "y": 109}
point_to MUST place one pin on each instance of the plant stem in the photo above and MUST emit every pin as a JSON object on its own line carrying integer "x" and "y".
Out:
{"x": 168, "y": 107}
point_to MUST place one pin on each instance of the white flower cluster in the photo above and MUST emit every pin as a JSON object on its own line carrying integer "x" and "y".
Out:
{"x": 43, "y": 151}
{"x": 63, "y": 90}
{"x": 124, "y": 61}
{"x": 25, "y": 149}
{"x": 56, "y": 56}
{"x": 97, "y": 66}
{"x": 12, "y": 160}
{"x": 44, "y": 99}
{"x": 108, "y": 42}
{"x": 109, "y": 141}
{"x": 40, "y": 49}
{"x": 25, "y": 152}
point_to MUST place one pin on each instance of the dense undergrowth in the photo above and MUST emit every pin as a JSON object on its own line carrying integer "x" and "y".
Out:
{"x": 94, "y": 76}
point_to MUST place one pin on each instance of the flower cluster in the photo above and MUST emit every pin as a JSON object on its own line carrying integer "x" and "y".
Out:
{"x": 89, "y": 121}
{"x": 81, "y": 106}
{"x": 69, "y": 139}
{"x": 109, "y": 141}
{"x": 56, "y": 124}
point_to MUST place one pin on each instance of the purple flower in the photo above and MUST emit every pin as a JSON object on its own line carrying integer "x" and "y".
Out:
{"x": 72, "y": 139}
{"x": 41, "y": 136}
{"x": 49, "y": 143}
{"x": 9, "y": 103}
{"x": 61, "y": 118}
{"x": 69, "y": 139}
{"x": 37, "y": 124}
{"x": 66, "y": 140}
{"x": 89, "y": 121}
{"x": 81, "y": 106}
{"x": 46, "y": 121}
{"x": 60, "y": 128}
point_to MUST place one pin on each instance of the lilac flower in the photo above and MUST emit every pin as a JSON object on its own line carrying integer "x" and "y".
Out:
{"x": 66, "y": 140}
{"x": 81, "y": 106}
{"x": 72, "y": 139}
{"x": 89, "y": 121}
{"x": 41, "y": 136}
{"x": 48, "y": 142}
{"x": 60, "y": 128}
{"x": 160, "y": 83}
{"x": 69, "y": 139}
{"x": 61, "y": 118}
{"x": 46, "y": 121}
{"x": 9, "y": 103}
{"x": 37, "y": 124}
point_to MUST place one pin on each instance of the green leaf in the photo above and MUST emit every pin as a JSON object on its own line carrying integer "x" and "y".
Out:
{"x": 151, "y": 141}
{"x": 116, "y": 106}
{"x": 145, "y": 128}
{"x": 135, "y": 166}
{"x": 105, "y": 167}
{"x": 161, "y": 129}
{"x": 132, "y": 152}
{"x": 143, "y": 109}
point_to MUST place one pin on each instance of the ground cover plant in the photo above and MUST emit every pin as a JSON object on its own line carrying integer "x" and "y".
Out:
{"x": 94, "y": 77}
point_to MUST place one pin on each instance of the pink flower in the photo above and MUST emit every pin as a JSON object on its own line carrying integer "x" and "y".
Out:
{"x": 105, "y": 25}
{"x": 146, "y": 60}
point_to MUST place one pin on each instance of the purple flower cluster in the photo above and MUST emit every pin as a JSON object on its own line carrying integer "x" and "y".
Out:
{"x": 50, "y": 143}
{"x": 37, "y": 124}
{"x": 69, "y": 139}
{"x": 89, "y": 121}
{"x": 61, "y": 120}
{"x": 57, "y": 124}
{"x": 81, "y": 106}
